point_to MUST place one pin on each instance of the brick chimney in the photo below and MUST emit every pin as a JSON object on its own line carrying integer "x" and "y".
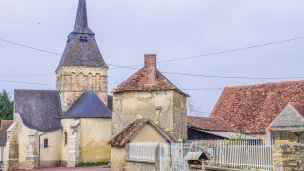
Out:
{"x": 150, "y": 68}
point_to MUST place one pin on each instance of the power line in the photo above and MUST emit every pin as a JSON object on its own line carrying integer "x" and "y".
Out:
{"x": 38, "y": 75}
{"x": 216, "y": 76}
{"x": 233, "y": 50}
{"x": 24, "y": 82}
{"x": 41, "y": 50}
{"x": 193, "y": 75}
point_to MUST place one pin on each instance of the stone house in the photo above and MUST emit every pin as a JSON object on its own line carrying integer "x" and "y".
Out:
{"x": 5, "y": 124}
{"x": 147, "y": 94}
{"x": 71, "y": 124}
{"x": 253, "y": 109}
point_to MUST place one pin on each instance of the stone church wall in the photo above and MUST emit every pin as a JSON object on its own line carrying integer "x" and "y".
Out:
{"x": 166, "y": 109}
{"x": 73, "y": 81}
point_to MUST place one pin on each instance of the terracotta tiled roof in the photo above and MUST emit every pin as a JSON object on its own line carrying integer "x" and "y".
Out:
{"x": 142, "y": 80}
{"x": 211, "y": 124}
{"x": 298, "y": 107}
{"x": 131, "y": 130}
{"x": 5, "y": 124}
{"x": 254, "y": 107}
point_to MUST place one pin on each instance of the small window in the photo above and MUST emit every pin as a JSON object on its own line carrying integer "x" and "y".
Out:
{"x": 65, "y": 138}
{"x": 46, "y": 143}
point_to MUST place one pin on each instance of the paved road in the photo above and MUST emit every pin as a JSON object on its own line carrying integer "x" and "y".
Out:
{"x": 75, "y": 169}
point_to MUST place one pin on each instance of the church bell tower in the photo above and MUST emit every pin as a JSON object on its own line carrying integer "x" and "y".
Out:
{"x": 82, "y": 67}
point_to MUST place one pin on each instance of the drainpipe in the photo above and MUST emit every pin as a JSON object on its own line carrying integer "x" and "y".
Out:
{"x": 39, "y": 149}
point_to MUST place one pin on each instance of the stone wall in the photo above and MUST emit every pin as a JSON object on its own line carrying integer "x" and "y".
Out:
{"x": 118, "y": 156}
{"x": 73, "y": 81}
{"x": 167, "y": 109}
{"x": 12, "y": 160}
{"x": 140, "y": 166}
{"x": 288, "y": 156}
{"x": 74, "y": 146}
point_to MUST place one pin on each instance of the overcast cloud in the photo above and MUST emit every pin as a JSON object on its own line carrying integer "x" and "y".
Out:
{"x": 127, "y": 29}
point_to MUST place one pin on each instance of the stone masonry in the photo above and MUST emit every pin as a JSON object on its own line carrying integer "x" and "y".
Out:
{"x": 32, "y": 153}
{"x": 288, "y": 156}
{"x": 73, "y": 81}
{"x": 12, "y": 160}
{"x": 74, "y": 146}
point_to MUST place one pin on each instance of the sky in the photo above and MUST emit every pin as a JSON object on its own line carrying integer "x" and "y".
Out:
{"x": 128, "y": 29}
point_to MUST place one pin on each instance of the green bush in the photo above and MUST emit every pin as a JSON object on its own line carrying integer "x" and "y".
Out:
{"x": 88, "y": 164}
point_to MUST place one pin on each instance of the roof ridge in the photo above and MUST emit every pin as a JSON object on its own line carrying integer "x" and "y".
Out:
{"x": 266, "y": 83}
{"x": 36, "y": 90}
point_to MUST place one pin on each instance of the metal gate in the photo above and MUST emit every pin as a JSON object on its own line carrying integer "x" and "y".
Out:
{"x": 172, "y": 157}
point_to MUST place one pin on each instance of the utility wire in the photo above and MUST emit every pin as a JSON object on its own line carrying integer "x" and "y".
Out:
{"x": 234, "y": 50}
{"x": 24, "y": 82}
{"x": 38, "y": 75}
{"x": 193, "y": 75}
{"x": 29, "y": 47}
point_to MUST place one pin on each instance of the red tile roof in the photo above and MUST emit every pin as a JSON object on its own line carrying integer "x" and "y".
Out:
{"x": 211, "y": 124}
{"x": 143, "y": 80}
{"x": 254, "y": 107}
{"x": 5, "y": 124}
{"x": 132, "y": 129}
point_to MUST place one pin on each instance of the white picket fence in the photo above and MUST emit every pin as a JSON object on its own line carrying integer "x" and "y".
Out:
{"x": 251, "y": 155}
{"x": 242, "y": 154}
{"x": 142, "y": 151}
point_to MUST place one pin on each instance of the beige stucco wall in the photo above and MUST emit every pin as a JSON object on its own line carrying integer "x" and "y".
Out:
{"x": 161, "y": 107}
{"x": 148, "y": 134}
{"x": 73, "y": 81}
{"x": 50, "y": 157}
{"x": 118, "y": 158}
{"x": 95, "y": 135}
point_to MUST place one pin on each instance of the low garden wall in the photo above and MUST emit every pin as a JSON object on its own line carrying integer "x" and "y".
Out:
{"x": 288, "y": 156}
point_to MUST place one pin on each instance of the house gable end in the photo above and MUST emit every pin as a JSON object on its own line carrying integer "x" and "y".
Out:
{"x": 288, "y": 119}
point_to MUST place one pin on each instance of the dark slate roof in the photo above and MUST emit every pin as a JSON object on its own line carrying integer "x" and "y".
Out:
{"x": 39, "y": 109}
{"x": 82, "y": 48}
{"x": 81, "y": 23}
{"x": 254, "y": 107}
{"x": 133, "y": 128}
{"x": 88, "y": 105}
{"x": 5, "y": 124}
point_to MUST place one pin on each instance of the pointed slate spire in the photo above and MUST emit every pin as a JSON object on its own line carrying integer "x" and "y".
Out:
{"x": 81, "y": 23}
{"x": 82, "y": 48}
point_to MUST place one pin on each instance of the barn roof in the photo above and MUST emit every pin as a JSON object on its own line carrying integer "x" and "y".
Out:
{"x": 254, "y": 107}
{"x": 148, "y": 78}
{"x": 132, "y": 129}
{"x": 39, "y": 109}
{"x": 88, "y": 105}
{"x": 211, "y": 124}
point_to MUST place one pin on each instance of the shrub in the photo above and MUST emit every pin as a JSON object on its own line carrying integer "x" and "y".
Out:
{"x": 89, "y": 164}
